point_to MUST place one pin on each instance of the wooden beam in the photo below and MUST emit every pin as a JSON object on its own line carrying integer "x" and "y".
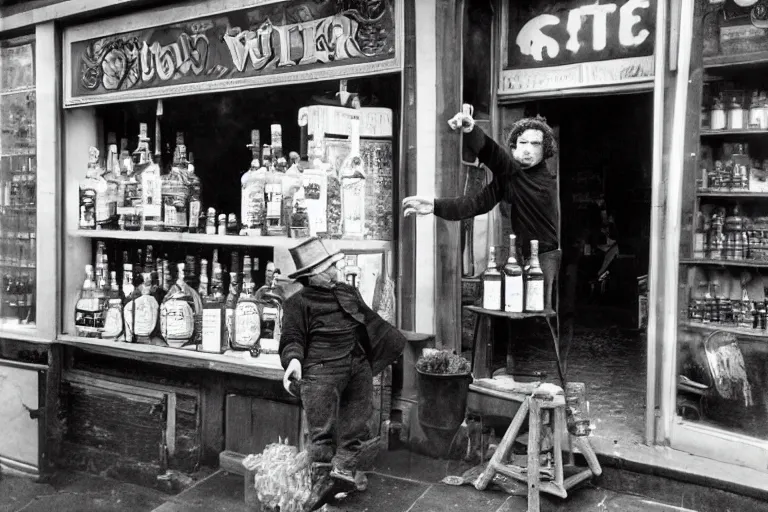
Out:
{"x": 449, "y": 20}
{"x": 406, "y": 249}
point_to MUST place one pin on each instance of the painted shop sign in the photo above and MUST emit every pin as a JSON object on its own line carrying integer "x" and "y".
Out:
{"x": 577, "y": 43}
{"x": 266, "y": 43}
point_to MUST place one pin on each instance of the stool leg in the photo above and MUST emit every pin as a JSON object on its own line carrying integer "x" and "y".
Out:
{"x": 534, "y": 441}
{"x": 504, "y": 446}
{"x": 559, "y": 428}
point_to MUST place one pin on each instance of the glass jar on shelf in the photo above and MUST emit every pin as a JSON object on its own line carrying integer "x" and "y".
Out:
{"x": 735, "y": 113}
{"x": 717, "y": 118}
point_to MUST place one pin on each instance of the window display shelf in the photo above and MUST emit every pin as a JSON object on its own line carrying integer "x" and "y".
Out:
{"x": 277, "y": 242}
{"x": 735, "y": 195}
{"x": 724, "y": 133}
{"x": 724, "y": 263}
{"x": 266, "y": 366}
{"x": 742, "y": 59}
{"x": 739, "y": 331}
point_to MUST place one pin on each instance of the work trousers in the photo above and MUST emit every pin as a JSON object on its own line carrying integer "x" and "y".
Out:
{"x": 337, "y": 397}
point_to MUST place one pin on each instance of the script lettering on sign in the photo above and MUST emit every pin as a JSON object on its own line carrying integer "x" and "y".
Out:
{"x": 554, "y": 36}
{"x": 241, "y": 44}
{"x": 591, "y": 31}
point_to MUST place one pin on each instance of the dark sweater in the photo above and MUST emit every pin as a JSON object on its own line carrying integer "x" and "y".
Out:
{"x": 531, "y": 194}
{"x": 316, "y": 328}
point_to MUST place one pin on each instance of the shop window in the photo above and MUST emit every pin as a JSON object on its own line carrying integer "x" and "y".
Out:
{"x": 18, "y": 177}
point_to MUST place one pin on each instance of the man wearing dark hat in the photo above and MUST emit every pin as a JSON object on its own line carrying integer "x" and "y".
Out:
{"x": 331, "y": 346}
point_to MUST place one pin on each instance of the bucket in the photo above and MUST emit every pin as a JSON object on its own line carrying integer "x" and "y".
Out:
{"x": 443, "y": 399}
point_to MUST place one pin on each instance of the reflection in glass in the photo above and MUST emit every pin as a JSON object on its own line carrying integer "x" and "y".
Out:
{"x": 18, "y": 185}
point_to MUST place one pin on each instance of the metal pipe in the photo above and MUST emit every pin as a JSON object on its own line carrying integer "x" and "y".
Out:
{"x": 654, "y": 272}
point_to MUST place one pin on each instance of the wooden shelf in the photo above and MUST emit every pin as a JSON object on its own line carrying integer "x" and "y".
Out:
{"x": 727, "y": 133}
{"x": 727, "y": 194}
{"x": 266, "y": 366}
{"x": 742, "y": 59}
{"x": 740, "y": 331}
{"x": 277, "y": 242}
{"x": 725, "y": 263}
{"x": 511, "y": 316}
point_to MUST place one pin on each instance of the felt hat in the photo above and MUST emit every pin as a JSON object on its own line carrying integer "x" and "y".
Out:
{"x": 311, "y": 258}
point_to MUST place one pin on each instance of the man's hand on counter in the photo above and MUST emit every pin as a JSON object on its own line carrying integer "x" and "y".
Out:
{"x": 418, "y": 205}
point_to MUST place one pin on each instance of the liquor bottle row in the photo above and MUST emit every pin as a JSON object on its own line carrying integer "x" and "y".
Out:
{"x": 18, "y": 189}
{"x": 187, "y": 308}
{"x": 730, "y": 237}
{"x": 278, "y": 197}
{"x": 745, "y": 313}
{"x": 17, "y": 298}
{"x": 513, "y": 289}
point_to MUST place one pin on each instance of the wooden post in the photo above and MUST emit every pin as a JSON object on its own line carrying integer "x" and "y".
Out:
{"x": 449, "y": 22}
{"x": 406, "y": 234}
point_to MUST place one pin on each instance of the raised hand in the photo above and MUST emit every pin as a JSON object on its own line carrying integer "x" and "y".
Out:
{"x": 418, "y": 205}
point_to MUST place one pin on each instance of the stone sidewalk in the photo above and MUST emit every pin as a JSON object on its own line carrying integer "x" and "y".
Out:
{"x": 399, "y": 482}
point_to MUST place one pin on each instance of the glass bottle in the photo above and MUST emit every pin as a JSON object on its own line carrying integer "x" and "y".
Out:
{"x": 127, "y": 288}
{"x": 214, "y": 314}
{"x": 177, "y": 313}
{"x": 174, "y": 190}
{"x": 513, "y": 281}
{"x": 113, "y": 323}
{"x": 353, "y": 177}
{"x": 271, "y": 312}
{"x": 130, "y": 214}
{"x": 202, "y": 289}
{"x": 148, "y": 175}
{"x": 141, "y": 314}
{"x": 534, "y": 282}
{"x": 230, "y": 304}
{"x": 194, "y": 189}
{"x": 253, "y": 182}
{"x": 210, "y": 221}
{"x": 492, "y": 283}
{"x": 88, "y": 192}
{"x": 247, "y": 322}
{"x": 89, "y": 310}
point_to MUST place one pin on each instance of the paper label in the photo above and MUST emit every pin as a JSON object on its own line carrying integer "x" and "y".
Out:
{"x": 211, "y": 330}
{"x": 247, "y": 325}
{"x": 534, "y": 296}
{"x": 145, "y": 309}
{"x": 194, "y": 214}
{"x": 177, "y": 321}
{"x": 513, "y": 294}
{"x": 151, "y": 195}
{"x": 492, "y": 295}
{"x": 113, "y": 324}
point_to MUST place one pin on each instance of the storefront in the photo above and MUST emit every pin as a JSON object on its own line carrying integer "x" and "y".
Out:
{"x": 127, "y": 89}
{"x": 668, "y": 333}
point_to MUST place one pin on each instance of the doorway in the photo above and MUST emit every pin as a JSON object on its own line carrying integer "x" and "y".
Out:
{"x": 604, "y": 167}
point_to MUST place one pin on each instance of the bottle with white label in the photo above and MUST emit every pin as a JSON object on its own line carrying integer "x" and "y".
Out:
{"x": 271, "y": 309}
{"x": 247, "y": 322}
{"x": 534, "y": 282}
{"x": 89, "y": 309}
{"x": 492, "y": 283}
{"x": 141, "y": 315}
{"x": 113, "y": 324}
{"x": 177, "y": 313}
{"x": 214, "y": 316}
{"x": 513, "y": 281}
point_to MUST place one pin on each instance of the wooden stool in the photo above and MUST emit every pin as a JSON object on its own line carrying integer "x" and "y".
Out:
{"x": 545, "y": 398}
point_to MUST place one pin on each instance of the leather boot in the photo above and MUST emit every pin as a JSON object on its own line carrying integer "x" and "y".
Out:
{"x": 322, "y": 486}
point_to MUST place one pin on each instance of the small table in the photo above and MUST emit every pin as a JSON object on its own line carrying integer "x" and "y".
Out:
{"x": 482, "y": 350}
